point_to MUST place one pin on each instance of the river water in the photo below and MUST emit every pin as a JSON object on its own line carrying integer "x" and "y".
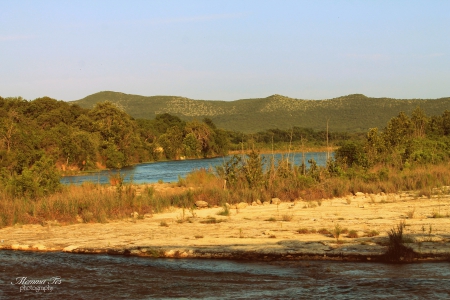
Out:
{"x": 168, "y": 171}
{"x": 78, "y": 276}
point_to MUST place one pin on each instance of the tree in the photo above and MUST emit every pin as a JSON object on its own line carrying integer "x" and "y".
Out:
{"x": 398, "y": 130}
{"x": 118, "y": 133}
{"x": 203, "y": 133}
{"x": 172, "y": 142}
{"x": 419, "y": 121}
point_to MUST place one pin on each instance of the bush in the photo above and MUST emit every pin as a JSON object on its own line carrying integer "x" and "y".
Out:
{"x": 303, "y": 231}
{"x": 353, "y": 234}
{"x": 396, "y": 250}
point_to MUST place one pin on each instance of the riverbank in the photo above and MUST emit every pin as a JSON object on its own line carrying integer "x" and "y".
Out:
{"x": 284, "y": 231}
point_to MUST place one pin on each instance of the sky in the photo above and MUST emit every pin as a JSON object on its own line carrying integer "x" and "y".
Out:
{"x": 225, "y": 50}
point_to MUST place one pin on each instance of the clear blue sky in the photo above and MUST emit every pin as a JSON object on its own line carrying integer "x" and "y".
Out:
{"x": 225, "y": 50}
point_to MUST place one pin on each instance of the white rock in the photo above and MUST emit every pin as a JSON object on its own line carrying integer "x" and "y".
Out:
{"x": 70, "y": 248}
{"x": 241, "y": 205}
{"x": 39, "y": 247}
{"x": 275, "y": 201}
{"x": 201, "y": 204}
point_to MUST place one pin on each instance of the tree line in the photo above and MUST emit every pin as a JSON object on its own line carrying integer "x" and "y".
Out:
{"x": 39, "y": 138}
{"x": 406, "y": 140}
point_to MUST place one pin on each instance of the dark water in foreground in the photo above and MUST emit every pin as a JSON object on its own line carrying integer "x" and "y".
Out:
{"x": 168, "y": 171}
{"x": 118, "y": 277}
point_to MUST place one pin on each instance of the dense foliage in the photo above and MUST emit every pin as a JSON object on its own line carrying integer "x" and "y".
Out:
{"x": 410, "y": 153}
{"x": 40, "y": 137}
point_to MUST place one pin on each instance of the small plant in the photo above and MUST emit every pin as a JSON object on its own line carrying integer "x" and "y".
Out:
{"x": 272, "y": 236}
{"x": 337, "y": 232}
{"x": 87, "y": 216}
{"x": 372, "y": 233}
{"x": 198, "y": 236}
{"x": 181, "y": 181}
{"x": 163, "y": 224}
{"x": 303, "y": 230}
{"x": 191, "y": 210}
{"x": 271, "y": 219}
{"x": 224, "y": 212}
{"x": 436, "y": 215}
{"x": 353, "y": 234}
{"x": 319, "y": 202}
{"x": 410, "y": 213}
{"x": 241, "y": 233}
{"x": 323, "y": 231}
{"x": 287, "y": 217}
{"x": 211, "y": 220}
{"x": 396, "y": 250}
{"x": 344, "y": 231}
{"x": 313, "y": 230}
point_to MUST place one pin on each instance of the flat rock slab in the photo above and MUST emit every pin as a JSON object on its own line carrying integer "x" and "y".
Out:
{"x": 254, "y": 232}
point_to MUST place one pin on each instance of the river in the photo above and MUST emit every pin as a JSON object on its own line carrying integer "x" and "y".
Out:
{"x": 168, "y": 171}
{"x": 78, "y": 276}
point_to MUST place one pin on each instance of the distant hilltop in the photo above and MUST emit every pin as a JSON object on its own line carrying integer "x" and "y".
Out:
{"x": 351, "y": 113}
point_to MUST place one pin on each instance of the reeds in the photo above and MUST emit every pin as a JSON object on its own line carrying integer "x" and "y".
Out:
{"x": 95, "y": 203}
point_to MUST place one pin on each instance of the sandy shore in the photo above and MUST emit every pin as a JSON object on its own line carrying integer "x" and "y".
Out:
{"x": 261, "y": 232}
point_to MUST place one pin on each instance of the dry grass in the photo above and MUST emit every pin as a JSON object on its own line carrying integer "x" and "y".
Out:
{"x": 94, "y": 203}
{"x": 303, "y": 231}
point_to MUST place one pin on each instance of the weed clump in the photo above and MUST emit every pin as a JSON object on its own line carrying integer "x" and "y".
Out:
{"x": 397, "y": 251}
{"x": 287, "y": 217}
{"x": 372, "y": 233}
{"x": 224, "y": 212}
{"x": 303, "y": 231}
{"x": 353, "y": 234}
{"x": 323, "y": 231}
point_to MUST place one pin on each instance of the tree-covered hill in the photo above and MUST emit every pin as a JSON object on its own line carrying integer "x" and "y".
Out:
{"x": 352, "y": 113}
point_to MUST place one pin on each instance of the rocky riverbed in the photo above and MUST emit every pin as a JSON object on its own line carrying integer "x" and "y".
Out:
{"x": 282, "y": 231}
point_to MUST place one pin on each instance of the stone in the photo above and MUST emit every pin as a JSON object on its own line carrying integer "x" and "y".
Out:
{"x": 241, "y": 205}
{"x": 135, "y": 215}
{"x": 39, "y": 247}
{"x": 258, "y": 202}
{"x": 275, "y": 201}
{"x": 359, "y": 194}
{"x": 266, "y": 203}
{"x": 70, "y": 248}
{"x": 201, "y": 204}
{"x": 254, "y": 203}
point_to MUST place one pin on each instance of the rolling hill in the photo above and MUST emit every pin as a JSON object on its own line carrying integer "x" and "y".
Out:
{"x": 352, "y": 113}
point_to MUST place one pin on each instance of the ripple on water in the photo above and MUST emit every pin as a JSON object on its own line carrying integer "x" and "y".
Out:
{"x": 94, "y": 276}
